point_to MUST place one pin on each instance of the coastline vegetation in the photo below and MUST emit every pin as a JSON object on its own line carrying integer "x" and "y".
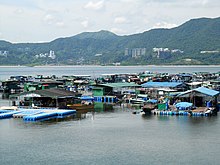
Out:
{"x": 106, "y": 48}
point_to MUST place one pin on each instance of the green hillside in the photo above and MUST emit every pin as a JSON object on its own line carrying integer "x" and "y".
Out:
{"x": 194, "y": 42}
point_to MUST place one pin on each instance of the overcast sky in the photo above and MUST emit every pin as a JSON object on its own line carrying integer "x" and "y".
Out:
{"x": 46, "y": 20}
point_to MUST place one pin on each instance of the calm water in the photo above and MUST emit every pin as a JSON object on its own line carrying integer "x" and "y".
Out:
{"x": 95, "y": 71}
{"x": 109, "y": 137}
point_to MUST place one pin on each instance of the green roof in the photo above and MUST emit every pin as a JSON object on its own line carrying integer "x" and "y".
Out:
{"x": 119, "y": 85}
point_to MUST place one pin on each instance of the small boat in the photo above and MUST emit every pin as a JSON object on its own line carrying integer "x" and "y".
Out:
{"x": 136, "y": 101}
{"x": 211, "y": 112}
{"x": 81, "y": 106}
{"x": 140, "y": 99}
{"x": 149, "y": 106}
{"x": 82, "y": 103}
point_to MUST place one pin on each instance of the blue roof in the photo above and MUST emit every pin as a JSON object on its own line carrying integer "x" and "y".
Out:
{"x": 87, "y": 98}
{"x": 161, "y": 84}
{"x": 120, "y": 85}
{"x": 183, "y": 105}
{"x": 207, "y": 91}
{"x": 184, "y": 74}
{"x": 153, "y": 101}
{"x": 203, "y": 90}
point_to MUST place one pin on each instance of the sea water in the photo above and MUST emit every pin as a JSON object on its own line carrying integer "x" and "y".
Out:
{"x": 109, "y": 137}
{"x": 115, "y": 137}
{"x": 96, "y": 71}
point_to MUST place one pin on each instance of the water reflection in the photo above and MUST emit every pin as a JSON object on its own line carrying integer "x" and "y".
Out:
{"x": 103, "y": 107}
{"x": 147, "y": 117}
{"x": 164, "y": 118}
{"x": 4, "y": 101}
{"x": 202, "y": 120}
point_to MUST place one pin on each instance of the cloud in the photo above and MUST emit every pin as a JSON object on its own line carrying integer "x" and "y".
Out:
{"x": 204, "y": 2}
{"x": 18, "y": 11}
{"x": 117, "y": 31}
{"x": 94, "y": 5}
{"x": 164, "y": 25}
{"x": 60, "y": 24}
{"x": 55, "y": 18}
{"x": 21, "y": 3}
{"x": 130, "y": 1}
{"x": 120, "y": 20}
{"x": 85, "y": 23}
{"x": 49, "y": 19}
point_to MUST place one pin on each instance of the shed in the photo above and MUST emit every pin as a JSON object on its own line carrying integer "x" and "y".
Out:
{"x": 158, "y": 89}
{"x": 53, "y": 97}
{"x": 200, "y": 96}
{"x": 201, "y": 91}
{"x": 113, "y": 88}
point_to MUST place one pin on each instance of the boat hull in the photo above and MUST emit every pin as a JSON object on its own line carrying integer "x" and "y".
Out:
{"x": 79, "y": 107}
{"x": 147, "y": 111}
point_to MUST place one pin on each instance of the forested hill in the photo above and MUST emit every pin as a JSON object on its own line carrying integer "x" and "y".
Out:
{"x": 194, "y": 42}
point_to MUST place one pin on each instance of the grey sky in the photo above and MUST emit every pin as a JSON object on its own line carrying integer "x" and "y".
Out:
{"x": 46, "y": 20}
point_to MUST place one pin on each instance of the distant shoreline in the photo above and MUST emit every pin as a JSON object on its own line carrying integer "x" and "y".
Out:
{"x": 40, "y": 66}
{"x": 14, "y": 66}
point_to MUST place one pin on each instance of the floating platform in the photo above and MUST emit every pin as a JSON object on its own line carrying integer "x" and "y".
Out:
{"x": 36, "y": 114}
{"x": 39, "y": 116}
{"x": 48, "y": 114}
{"x": 8, "y": 108}
{"x": 8, "y": 114}
{"x": 23, "y": 113}
{"x": 180, "y": 113}
{"x": 65, "y": 112}
{"x": 5, "y": 111}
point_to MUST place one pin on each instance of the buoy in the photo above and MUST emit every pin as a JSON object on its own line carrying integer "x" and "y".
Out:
{"x": 186, "y": 113}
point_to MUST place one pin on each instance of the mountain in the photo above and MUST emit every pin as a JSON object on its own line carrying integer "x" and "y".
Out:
{"x": 197, "y": 41}
{"x": 101, "y": 35}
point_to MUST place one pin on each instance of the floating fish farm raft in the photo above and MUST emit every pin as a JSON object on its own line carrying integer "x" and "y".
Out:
{"x": 36, "y": 114}
{"x": 181, "y": 113}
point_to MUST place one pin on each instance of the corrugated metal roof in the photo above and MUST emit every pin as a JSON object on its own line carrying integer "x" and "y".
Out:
{"x": 207, "y": 91}
{"x": 53, "y": 92}
{"x": 203, "y": 90}
{"x": 184, "y": 75}
{"x": 161, "y": 84}
{"x": 120, "y": 85}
